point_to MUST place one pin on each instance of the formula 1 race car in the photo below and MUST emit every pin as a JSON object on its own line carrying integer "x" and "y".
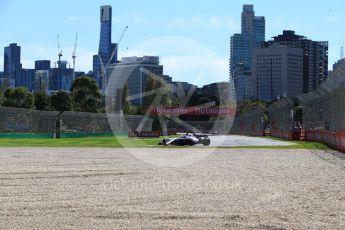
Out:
{"x": 187, "y": 139}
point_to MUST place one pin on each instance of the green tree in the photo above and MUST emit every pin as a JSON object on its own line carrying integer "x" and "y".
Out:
{"x": 126, "y": 106}
{"x": 41, "y": 100}
{"x": 2, "y": 97}
{"x": 248, "y": 106}
{"x": 150, "y": 85}
{"x": 85, "y": 95}
{"x": 18, "y": 97}
{"x": 160, "y": 90}
{"x": 61, "y": 101}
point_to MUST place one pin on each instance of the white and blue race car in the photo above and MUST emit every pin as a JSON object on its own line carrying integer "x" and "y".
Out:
{"x": 189, "y": 139}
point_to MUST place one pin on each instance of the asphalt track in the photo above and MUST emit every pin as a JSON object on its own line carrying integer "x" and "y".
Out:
{"x": 237, "y": 141}
{"x": 103, "y": 188}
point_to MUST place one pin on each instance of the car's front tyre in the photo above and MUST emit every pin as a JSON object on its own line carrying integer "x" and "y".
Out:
{"x": 206, "y": 141}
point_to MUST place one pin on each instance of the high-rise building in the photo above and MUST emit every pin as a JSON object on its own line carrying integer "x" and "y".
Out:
{"x": 42, "y": 65}
{"x": 278, "y": 72}
{"x": 315, "y": 57}
{"x": 167, "y": 79}
{"x": 219, "y": 90}
{"x": 240, "y": 52}
{"x": 259, "y": 30}
{"x": 41, "y": 78}
{"x": 41, "y": 81}
{"x": 79, "y": 74}
{"x": 247, "y": 19}
{"x": 2, "y": 80}
{"x": 244, "y": 83}
{"x": 182, "y": 86}
{"x": 135, "y": 71}
{"x": 105, "y": 48}
{"x": 61, "y": 78}
{"x": 241, "y": 47}
{"x": 12, "y": 63}
{"x": 25, "y": 78}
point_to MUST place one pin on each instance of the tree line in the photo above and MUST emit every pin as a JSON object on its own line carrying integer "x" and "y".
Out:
{"x": 84, "y": 96}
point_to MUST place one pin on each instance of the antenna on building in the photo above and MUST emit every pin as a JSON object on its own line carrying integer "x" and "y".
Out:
{"x": 341, "y": 49}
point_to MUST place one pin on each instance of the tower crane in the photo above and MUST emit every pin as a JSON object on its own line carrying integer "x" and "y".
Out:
{"x": 59, "y": 49}
{"x": 118, "y": 43}
{"x": 105, "y": 67}
{"x": 74, "y": 53}
{"x": 341, "y": 49}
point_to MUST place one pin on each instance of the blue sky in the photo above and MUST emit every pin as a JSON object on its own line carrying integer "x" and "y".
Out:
{"x": 208, "y": 25}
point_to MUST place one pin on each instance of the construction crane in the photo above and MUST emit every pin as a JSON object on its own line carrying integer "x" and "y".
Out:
{"x": 59, "y": 49}
{"x": 118, "y": 43}
{"x": 341, "y": 49}
{"x": 105, "y": 67}
{"x": 74, "y": 53}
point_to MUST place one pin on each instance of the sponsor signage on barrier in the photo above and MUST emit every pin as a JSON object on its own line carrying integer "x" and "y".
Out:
{"x": 193, "y": 111}
{"x": 144, "y": 134}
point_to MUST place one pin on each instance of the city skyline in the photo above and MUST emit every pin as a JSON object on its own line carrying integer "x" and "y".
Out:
{"x": 210, "y": 24}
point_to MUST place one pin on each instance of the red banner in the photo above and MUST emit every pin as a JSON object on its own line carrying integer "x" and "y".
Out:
{"x": 202, "y": 111}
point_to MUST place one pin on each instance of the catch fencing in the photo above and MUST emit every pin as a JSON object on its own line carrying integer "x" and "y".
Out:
{"x": 324, "y": 110}
{"x": 251, "y": 123}
{"x": 322, "y": 113}
{"x": 281, "y": 118}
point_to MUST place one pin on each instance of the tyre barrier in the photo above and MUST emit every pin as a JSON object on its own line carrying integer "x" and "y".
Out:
{"x": 334, "y": 140}
{"x": 282, "y": 134}
{"x": 297, "y": 135}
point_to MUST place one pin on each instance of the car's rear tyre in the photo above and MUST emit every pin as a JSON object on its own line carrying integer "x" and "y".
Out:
{"x": 206, "y": 142}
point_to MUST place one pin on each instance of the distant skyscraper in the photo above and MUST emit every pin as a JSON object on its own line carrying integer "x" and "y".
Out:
{"x": 42, "y": 65}
{"x": 41, "y": 81}
{"x": 240, "y": 52}
{"x": 278, "y": 72}
{"x": 259, "y": 30}
{"x": 241, "y": 47}
{"x": 12, "y": 63}
{"x": 244, "y": 83}
{"x": 61, "y": 78}
{"x": 25, "y": 78}
{"x": 219, "y": 90}
{"x": 135, "y": 71}
{"x": 315, "y": 54}
{"x": 105, "y": 48}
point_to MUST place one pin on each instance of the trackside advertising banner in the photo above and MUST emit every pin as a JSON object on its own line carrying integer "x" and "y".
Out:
{"x": 193, "y": 111}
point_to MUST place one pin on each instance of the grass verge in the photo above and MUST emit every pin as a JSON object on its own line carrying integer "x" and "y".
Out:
{"x": 118, "y": 142}
{"x": 108, "y": 142}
